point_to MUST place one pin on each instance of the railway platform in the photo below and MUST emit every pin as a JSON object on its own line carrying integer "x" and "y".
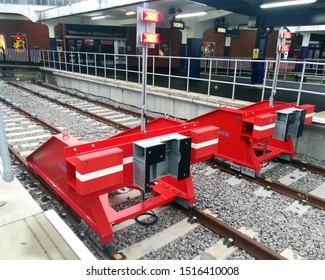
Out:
{"x": 29, "y": 233}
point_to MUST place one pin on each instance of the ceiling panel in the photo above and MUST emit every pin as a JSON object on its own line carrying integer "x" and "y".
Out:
{"x": 310, "y": 14}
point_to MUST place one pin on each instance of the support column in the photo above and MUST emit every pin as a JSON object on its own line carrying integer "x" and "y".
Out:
{"x": 194, "y": 39}
{"x": 183, "y": 52}
{"x": 260, "y": 44}
{"x": 227, "y": 46}
{"x": 53, "y": 54}
{"x": 191, "y": 47}
{"x": 304, "y": 48}
{"x": 194, "y": 46}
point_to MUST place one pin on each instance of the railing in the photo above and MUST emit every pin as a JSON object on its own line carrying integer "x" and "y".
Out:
{"x": 295, "y": 76}
{"x": 20, "y": 55}
{"x": 216, "y": 76}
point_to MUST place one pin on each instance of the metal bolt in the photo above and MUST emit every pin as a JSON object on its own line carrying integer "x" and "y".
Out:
{"x": 303, "y": 202}
{"x": 192, "y": 220}
{"x": 63, "y": 215}
{"x": 229, "y": 242}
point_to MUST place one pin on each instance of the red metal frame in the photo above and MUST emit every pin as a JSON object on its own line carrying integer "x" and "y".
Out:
{"x": 243, "y": 132}
{"x": 83, "y": 174}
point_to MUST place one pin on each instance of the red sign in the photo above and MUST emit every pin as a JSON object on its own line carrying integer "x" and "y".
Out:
{"x": 106, "y": 42}
{"x": 150, "y": 16}
{"x": 284, "y": 48}
{"x": 150, "y": 38}
{"x": 89, "y": 42}
{"x": 286, "y": 35}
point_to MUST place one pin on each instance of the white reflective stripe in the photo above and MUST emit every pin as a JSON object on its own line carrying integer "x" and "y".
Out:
{"x": 127, "y": 160}
{"x": 309, "y": 115}
{"x": 265, "y": 127}
{"x": 99, "y": 173}
{"x": 205, "y": 144}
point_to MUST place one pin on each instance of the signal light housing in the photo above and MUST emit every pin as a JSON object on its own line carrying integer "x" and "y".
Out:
{"x": 286, "y": 35}
{"x": 150, "y": 38}
{"x": 284, "y": 48}
{"x": 150, "y": 16}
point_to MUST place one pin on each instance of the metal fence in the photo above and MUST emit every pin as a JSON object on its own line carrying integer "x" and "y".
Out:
{"x": 20, "y": 55}
{"x": 294, "y": 75}
{"x": 204, "y": 75}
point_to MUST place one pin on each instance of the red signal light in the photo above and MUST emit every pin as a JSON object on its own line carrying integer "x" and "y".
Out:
{"x": 150, "y": 38}
{"x": 284, "y": 48}
{"x": 150, "y": 16}
{"x": 286, "y": 35}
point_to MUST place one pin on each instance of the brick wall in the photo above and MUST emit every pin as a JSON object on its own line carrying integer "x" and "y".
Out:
{"x": 37, "y": 34}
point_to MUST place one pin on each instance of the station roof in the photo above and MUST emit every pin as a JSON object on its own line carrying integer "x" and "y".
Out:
{"x": 309, "y": 14}
{"x": 237, "y": 12}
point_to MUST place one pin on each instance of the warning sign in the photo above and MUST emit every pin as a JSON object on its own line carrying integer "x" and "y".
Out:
{"x": 256, "y": 53}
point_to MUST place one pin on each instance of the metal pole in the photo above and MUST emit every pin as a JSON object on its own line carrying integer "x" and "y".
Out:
{"x": 95, "y": 63}
{"x": 7, "y": 172}
{"x": 188, "y": 75}
{"x": 169, "y": 71}
{"x": 301, "y": 82}
{"x": 126, "y": 68}
{"x": 144, "y": 88}
{"x": 277, "y": 67}
{"x": 153, "y": 70}
{"x": 234, "y": 82}
{"x": 105, "y": 67}
{"x": 79, "y": 62}
{"x": 144, "y": 84}
{"x": 265, "y": 77}
{"x": 210, "y": 73}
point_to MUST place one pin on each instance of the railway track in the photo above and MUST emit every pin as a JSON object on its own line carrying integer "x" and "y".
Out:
{"x": 228, "y": 236}
{"x": 29, "y": 133}
{"x": 120, "y": 119}
{"x": 302, "y": 196}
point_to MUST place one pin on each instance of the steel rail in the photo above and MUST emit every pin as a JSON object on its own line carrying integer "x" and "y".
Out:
{"x": 97, "y": 102}
{"x": 88, "y": 114}
{"x": 31, "y": 116}
{"x": 309, "y": 166}
{"x": 107, "y": 252}
{"x": 289, "y": 191}
{"x": 239, "y": 239}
